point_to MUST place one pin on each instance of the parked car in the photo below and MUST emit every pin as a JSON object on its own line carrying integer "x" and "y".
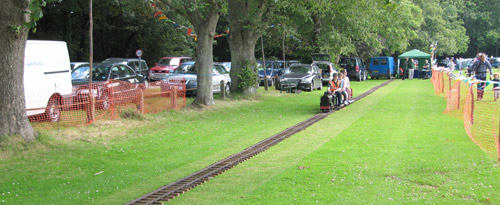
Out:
{"x": 188, "y": 72}
{"x": 166, "y": 66}
{"x": 270, "y": 73}
{"x": 47, "y": 79}
{"x": 495, "y": 62}
{"x": 109, "y": 81}
{"x": 304, "y": 76}
{"x": 355, "y": 67}
{"x": 77, "y": 64}
{"x": 444, "y": 63}
{"x": 277, "y": 66}
{"x": 139, "y": 68}
{"x": 227, "y": 66}
{"x": 323, "y": 61}
{"x": 382, "y": 66}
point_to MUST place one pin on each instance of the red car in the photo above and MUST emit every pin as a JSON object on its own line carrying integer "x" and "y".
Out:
{"x": 166, "y": 66}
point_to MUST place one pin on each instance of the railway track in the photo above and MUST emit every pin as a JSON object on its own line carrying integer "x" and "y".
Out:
{"x": 180, "y": 186}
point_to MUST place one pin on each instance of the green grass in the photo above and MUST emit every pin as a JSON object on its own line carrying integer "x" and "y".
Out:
{"x": 393, "y": 147}
{"x": 112, "y": 162}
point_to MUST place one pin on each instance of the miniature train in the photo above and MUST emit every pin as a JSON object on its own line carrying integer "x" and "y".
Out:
{"x": 328, "y": 102}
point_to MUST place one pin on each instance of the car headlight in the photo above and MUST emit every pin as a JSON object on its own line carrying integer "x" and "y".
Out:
{"x": 307, "y": 80}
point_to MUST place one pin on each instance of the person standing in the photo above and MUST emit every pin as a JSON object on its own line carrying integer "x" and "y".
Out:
{"x": 405, "y": 67}
{"x": 480, "y": 69}
{"x": 425, "y": 70}
{"x": 496, "y": 87}
{"x": 459, "y": 63}
{"x": 411, "y": 69}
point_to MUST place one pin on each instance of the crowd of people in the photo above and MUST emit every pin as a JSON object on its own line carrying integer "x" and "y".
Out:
{"x": 409, "y": 65}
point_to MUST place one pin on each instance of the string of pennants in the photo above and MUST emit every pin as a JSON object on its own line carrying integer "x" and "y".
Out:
{"x": 189, "y": 31}
{"x": 471, "y": 80}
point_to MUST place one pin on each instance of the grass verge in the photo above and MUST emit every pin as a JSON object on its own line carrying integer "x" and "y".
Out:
{"x": 111, "y": 162}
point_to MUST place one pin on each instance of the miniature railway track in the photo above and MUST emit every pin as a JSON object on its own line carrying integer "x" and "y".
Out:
{"x": 180, "y": 186}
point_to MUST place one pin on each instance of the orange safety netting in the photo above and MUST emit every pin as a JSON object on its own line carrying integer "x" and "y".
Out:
{"x": 110, "y": 100}
{"x": 437, "y": 81}
{"x": 481, "y": 117}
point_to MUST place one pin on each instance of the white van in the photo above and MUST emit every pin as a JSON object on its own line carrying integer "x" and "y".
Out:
{"x": 47, "y": 78}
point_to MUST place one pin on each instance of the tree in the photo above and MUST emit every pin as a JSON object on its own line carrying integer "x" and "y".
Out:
{"x": 120, "y": 28}
{"x": 246, "y": 22}
{"x": 203, "y": 15}
{"x": 441, "y": 24}
{"x": 13, "y": 119}
{"x": 482, "y": 21}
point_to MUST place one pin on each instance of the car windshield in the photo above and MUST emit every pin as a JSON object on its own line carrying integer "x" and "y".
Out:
{"x": 186, "y": 69}
{"x": 299, "y": 69}
{"x": 99, "y": 73}
{"x": 169, "y": 62}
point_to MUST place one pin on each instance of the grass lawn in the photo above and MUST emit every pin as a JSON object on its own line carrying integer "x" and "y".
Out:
{"x": 113, "y": 162}
{"x": 394, "y": 146}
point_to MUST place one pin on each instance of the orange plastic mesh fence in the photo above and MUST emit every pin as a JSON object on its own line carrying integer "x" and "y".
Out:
{"x": 110, "y": 100}
{"x": 437, "y": 81}
{"x": 481, "y": 117}
{"x": 456, "y": 99}
{"x": 482, "y": 120}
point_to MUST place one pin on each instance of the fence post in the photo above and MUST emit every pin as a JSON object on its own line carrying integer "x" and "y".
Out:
{"x": 141, "y": 101}
{"x": 276, "y": 82}
{"x": 112, "y": 101}
{"x": 174, "y": 98}
{"x": 91, "y": 110}
{"x": 222, "y": 89}
{"x": 458, "y": 94}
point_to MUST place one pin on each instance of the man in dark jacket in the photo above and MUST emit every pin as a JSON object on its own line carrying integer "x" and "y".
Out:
{"x": 405, "y": 67}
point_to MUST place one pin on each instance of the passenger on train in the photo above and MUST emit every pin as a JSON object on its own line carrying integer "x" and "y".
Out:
{"x": 335, "y": 90}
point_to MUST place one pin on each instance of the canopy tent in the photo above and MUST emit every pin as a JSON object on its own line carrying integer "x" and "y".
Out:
{"x": 417, "y": 55}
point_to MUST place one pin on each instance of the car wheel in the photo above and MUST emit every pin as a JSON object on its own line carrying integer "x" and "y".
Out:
{"x": 53, "y": 111}
{"x": 105, "y": 101}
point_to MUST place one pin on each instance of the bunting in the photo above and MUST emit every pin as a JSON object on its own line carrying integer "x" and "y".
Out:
{"x": 161, "y": 16}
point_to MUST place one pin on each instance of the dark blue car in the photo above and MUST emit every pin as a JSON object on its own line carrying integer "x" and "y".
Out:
{"x": 273, "y": 68}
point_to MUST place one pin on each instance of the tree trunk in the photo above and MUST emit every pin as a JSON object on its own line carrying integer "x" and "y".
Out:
{"x": 204, "y": 66}
{"x": 205, "y": 29}
{"x": 242, "y": 39}
{"x": 13, "y": 118}
{"x": 317, "y": 32}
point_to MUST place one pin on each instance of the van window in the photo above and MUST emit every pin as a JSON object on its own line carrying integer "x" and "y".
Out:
{"x": 375, "y": 62}
{"x": 383, "y": 61}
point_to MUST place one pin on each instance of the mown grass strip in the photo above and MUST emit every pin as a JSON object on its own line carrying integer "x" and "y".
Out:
{"x": 395, "y": 146}
{"x": 113, "y": 162}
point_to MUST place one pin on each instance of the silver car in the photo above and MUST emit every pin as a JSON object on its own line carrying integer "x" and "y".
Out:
{"x": 188, "y": 71}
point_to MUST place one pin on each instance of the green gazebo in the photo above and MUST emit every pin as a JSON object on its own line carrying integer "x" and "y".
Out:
{"x": 418, "y": 55}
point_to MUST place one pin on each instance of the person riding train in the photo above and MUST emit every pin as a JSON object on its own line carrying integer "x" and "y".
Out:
{"x": 334, "y": 88}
